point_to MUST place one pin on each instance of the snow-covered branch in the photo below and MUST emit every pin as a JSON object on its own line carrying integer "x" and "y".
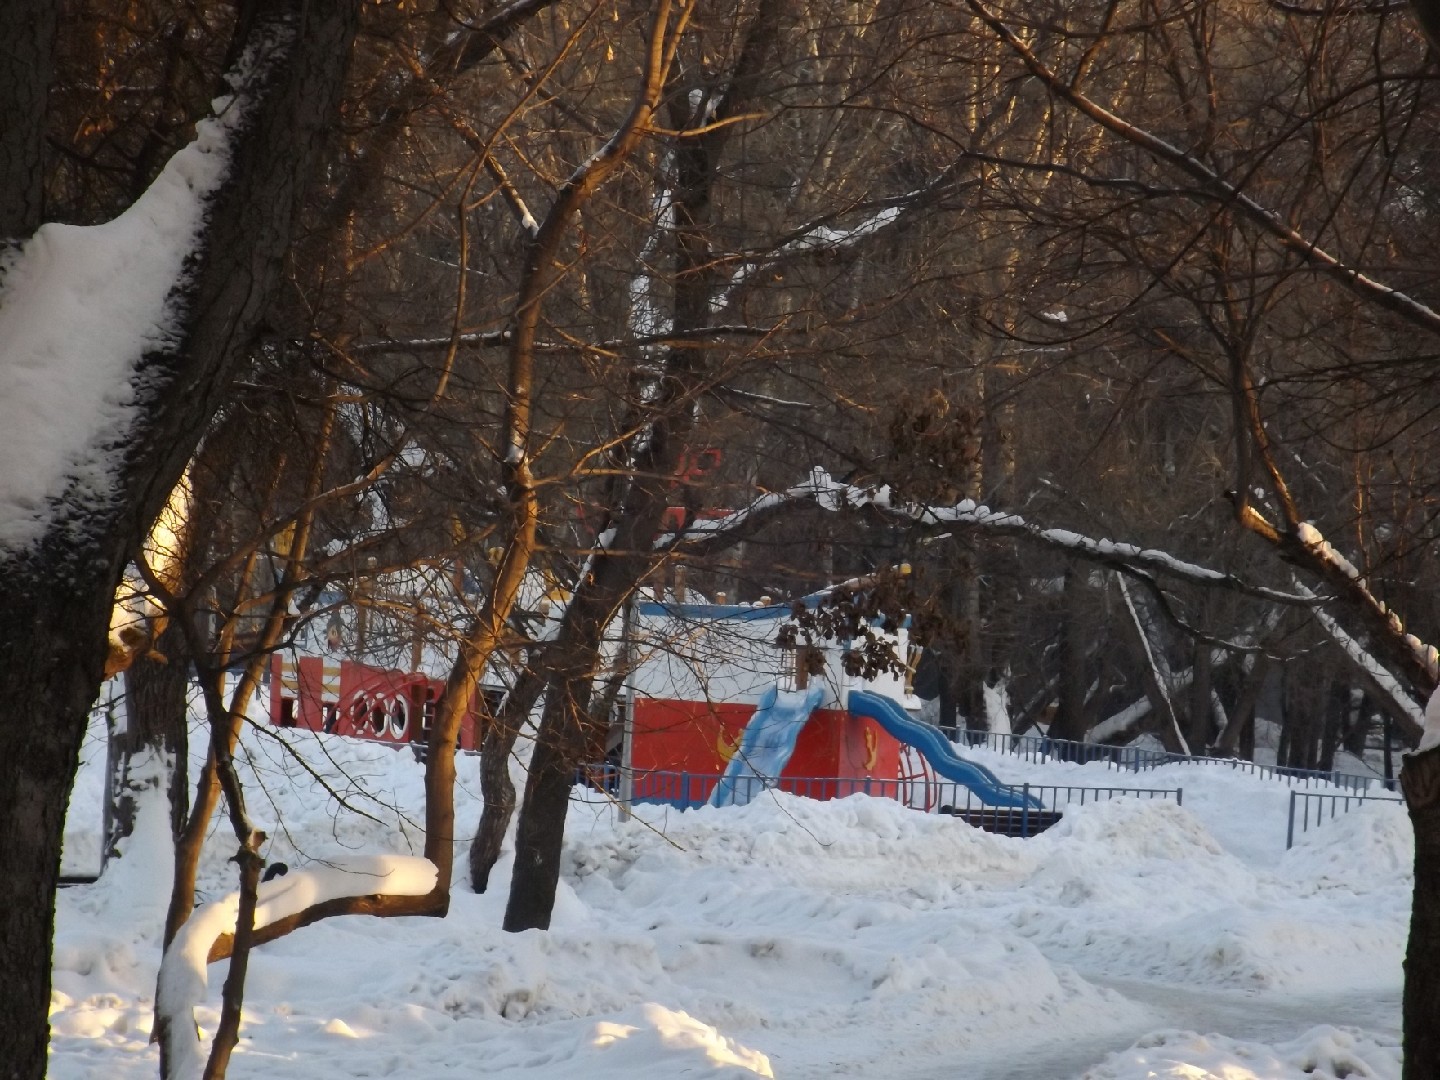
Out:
{"x": 1306, "y": 547}
{"x": 497, "y": 338}
{"x": 820, "y": 490}
{"x": 284, "y": 902}
{"x": 824, "y": 237}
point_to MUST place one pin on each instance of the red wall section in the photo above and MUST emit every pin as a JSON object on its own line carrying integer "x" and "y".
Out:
{"x": 699, "y": 737}
{"x": 353, "y": 699}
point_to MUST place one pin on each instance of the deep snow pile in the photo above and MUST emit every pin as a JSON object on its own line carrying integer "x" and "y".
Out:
{"x": 794, "y": 939}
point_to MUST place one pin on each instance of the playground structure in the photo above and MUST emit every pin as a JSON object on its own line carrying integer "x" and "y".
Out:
{"x": 343, "y": 697}
{"x": 719, "y": 712}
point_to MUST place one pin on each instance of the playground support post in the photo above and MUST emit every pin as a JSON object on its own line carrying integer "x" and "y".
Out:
{"x": 627, "y": 758}
{"x": 627, "y": 723}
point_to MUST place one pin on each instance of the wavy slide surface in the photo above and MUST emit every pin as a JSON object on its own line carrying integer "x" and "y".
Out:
{"x": 766, "y": 745}
{"x": 889, "y": 714}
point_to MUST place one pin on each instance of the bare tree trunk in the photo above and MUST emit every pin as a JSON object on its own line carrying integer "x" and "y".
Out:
{"x": 1200, "y": 712}
{"x": 27, "y": 27}
{"x": 50, "y": 679}
{"x": 640, "y": 498}
{"x": 55, "y": 608}
{"x": 1069, "y": 722}
{"x": 547, "y": 798}
{"x": 1242, "y": 717}
{"x": 156, "y": 698}
{"x": 496, "y": 787}
{"x": 1420, "y": 781}
{"x": 1304, "y": 709}
{"x": 227, "y": 1033}
{"x": 1337, "y": 704}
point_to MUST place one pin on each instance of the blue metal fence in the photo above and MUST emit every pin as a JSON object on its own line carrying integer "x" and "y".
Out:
{"x": 685, "y": 790}
{"x": 1038, "y": 748}
{"x": 1059, "y": 796}
{"x": 1309, "y": 809}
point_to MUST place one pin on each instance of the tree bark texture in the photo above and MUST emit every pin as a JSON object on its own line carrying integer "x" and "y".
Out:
{"x": 496, "y": 788}
{"x": 1420, "y": 781}
{"x": 156, "y": 694}
{"x": 1242, "y": 716}
{"x": 54, "y": 611}
{"x": 1427, "y": 14}
{"x": 27, "y": 29}
{"x": 1070, "y": 721}
{"x": 1199, "y": 713}
{"x": 541, "y": 832}
{"x": 52, "y": 650}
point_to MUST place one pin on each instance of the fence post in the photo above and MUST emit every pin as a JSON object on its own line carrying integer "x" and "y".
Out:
{"x": 1025, "y": 811}
{"x": 1179, "y": 796}
{"x": 1290, "y": 827}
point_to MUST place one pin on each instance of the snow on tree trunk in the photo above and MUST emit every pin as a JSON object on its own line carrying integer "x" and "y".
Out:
{"x": 117, "y": 343}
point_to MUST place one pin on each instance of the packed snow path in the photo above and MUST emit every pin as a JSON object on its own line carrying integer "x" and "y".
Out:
{"x": 1242, "y": 1016}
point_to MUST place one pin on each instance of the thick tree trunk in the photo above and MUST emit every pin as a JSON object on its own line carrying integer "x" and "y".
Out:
{"x": 1069, "y": 722}
{"x": 156, "y": 693}
{"x": 52, "y": 649}
{"x": 547, "y": 798}
{"x": 1337, "y": 708}
{"x": 1199, "y": 713}
{"x": 54, "y": 611}
{"x": 496, "y": 788}
{"x": 27, "y": 27}
{"x": 1242, "y": 716}
{"x": 1420, "y": 780}
{"x": 1304, "y": 706}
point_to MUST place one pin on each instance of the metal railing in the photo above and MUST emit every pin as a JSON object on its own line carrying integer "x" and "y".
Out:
{"x": 1057, "y": 796}
{"x": 685, "y": 790}
{"x": 1316, "y": 807}
{"x": 1038, "y": 748}
{"x": 1055, "y": 799}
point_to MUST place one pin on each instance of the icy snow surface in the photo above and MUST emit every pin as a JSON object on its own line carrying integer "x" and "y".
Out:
{"x": 791, "y": 938}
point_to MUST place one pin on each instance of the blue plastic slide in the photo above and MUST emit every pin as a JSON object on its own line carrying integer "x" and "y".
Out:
{"x": 766, "y": 744}
{"x": 937, "y": 750}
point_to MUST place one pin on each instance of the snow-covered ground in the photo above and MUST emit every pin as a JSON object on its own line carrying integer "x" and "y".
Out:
{"x": 795, "y": 939}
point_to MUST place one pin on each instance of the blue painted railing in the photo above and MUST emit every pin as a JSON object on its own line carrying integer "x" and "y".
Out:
{"x": 1310, "y": 809}
{"x": 686, "y": 790}
{"x": 1136, "y": 759}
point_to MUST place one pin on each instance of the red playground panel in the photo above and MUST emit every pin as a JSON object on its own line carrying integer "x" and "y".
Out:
{"x": 346, "y": 698}
{"x": 699, "y": 738}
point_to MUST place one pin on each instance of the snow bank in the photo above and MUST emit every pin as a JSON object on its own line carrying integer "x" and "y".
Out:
{"x": 1322, "y": 1053}
{"x": 798, "y": 939}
